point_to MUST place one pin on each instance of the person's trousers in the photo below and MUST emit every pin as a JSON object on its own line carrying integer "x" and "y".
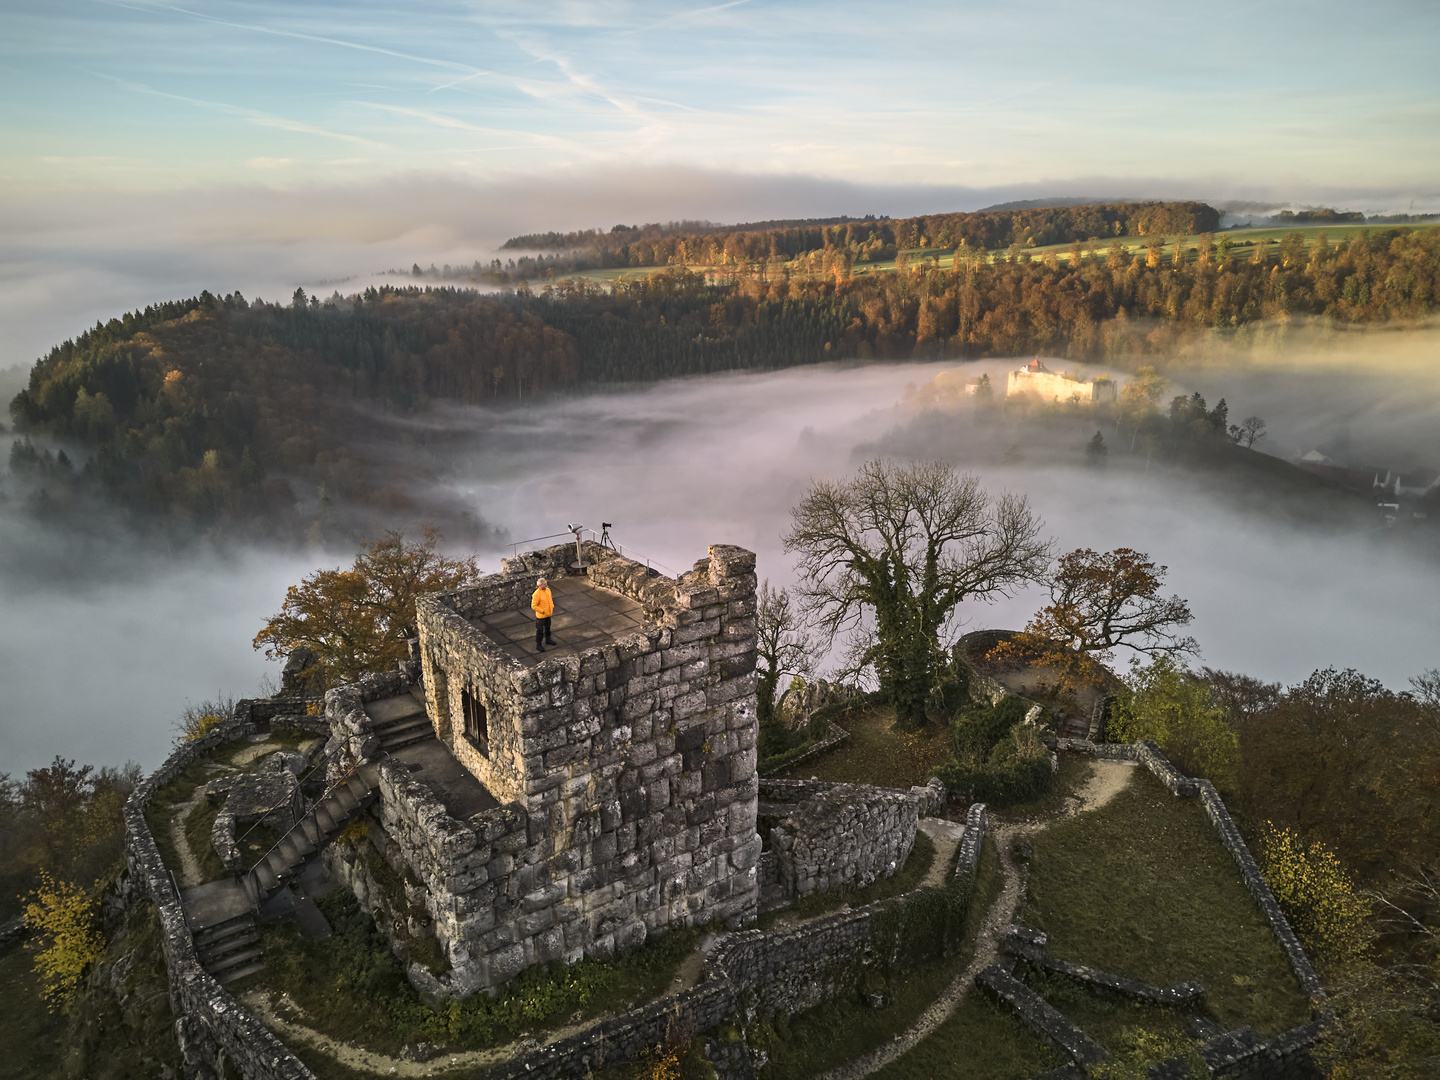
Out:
{"x": 542, "y": 632}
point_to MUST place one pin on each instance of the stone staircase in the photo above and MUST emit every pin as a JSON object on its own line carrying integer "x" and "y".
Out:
{"x": 231, "y": 950}
{"x": 400, "y": 721}
{"x": 341, "y": 805}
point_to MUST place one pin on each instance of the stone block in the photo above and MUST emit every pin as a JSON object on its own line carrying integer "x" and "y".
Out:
{"x": 630, "y": 935}
{"x": 544, "y": 897}
{"x": 506, "y": 963}
{"x": 549, "y": 945}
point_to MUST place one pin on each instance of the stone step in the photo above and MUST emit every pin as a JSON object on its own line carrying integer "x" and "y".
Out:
{"x": 403, "y": 727}
{"x": 278, "y": 865}
{"x": 216, "y": 937}
{"x": 395, "y": 743}
{"x": 212, "y": 960}
{"x": 418, "y": 693}
{"x": 265, "y": 879}
{"x": 297, "y": 845}
{"x": 236, "y": 976}
{"x": 388, "y": 710}
{"x": 231, "y": 975}
{"x": 344, "y": 800}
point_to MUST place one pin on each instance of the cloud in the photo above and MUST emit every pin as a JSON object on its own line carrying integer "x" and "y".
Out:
{"x": 270, "y": 162}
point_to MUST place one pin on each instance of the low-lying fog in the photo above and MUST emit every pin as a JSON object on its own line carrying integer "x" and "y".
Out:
{"x": 100, "y": 671}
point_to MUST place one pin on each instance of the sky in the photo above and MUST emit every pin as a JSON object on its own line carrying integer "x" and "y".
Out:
{"x": 1278, "y": 96}
{"x": 150, "y": 150}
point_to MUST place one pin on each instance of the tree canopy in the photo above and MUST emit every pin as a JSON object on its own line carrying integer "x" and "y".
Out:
{"x": 357, "y": 620}
{"x": 887, "y": 556}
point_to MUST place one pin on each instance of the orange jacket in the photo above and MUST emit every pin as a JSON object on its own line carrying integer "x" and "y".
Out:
{"x": 542, "y": 603}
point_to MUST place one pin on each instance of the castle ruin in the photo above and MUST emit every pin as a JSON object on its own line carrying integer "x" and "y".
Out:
{"x": 593, "y": 795}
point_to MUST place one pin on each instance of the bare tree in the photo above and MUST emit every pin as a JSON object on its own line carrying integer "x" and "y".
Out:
{"x": 784, "y": 648}
{"x": 894, "y": 550}
{"x": 1252, "y": 431}
{"x": 1426, "y": 690}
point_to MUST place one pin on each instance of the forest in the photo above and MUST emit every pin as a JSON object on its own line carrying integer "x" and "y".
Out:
{"x": 205, "y": 410}
{"x": 868, "y": 239}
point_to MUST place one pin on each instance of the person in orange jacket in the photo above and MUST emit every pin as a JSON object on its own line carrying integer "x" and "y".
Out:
{"x": 543, "y": 604}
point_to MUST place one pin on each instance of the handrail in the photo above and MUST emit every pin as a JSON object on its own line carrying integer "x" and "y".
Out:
{"x": 300, "y": 781}
{"x": 634, "y": 556}
{"x": 550, "y": 536}
{"x": 330, "y": 789}
{"x": 619, "y": 549}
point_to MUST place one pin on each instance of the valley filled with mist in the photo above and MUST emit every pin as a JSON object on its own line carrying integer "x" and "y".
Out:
{"x": 110, "y": 630}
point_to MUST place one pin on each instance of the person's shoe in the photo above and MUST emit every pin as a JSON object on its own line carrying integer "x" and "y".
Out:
{"x": 539, "y": 648}
{"x": 549, "y": 641}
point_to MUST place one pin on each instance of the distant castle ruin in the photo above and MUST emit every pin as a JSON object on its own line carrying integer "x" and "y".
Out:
{"x": 1036, "y": 378}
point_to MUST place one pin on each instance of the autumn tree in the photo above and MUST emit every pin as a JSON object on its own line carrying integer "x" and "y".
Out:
{"x": 889, "y": 554}
{"x": 65, "y": 919}
{"x": 1101, "y": 600}
{"x": 357, "y": 620}
{"x": 1319, "y": 898}
{"x": 1098, "y": 602}
{"x": 1342, "y": 758}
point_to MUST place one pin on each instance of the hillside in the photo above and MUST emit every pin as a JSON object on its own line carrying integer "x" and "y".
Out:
{"x": 215, "y": 410}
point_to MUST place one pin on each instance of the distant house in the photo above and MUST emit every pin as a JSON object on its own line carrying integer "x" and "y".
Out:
{"x": 1413, "y": 484}
{"x": 1036, "y": 378}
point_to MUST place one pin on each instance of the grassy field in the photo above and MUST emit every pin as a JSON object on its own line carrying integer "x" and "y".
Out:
{"x": 988, "y": 1039}
{"x": 1242, "y": 241}
{"x": 1144, "y": 888}
{"x": 876, "y": 753}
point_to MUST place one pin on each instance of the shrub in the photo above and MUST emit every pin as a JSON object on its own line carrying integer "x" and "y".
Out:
{"x": 998, "y": 759}
{"x": 64, "y": 916}
{"x": 1165, "y": 703}
{"x": 1317, "y": 896}
{"x": 977, "y": 730}
{"x": 198, "y": 720}
{"x": 1000, "y": 784}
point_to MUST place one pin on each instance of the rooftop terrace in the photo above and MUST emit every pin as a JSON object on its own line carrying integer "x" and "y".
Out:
{"x": 585, "y": 616}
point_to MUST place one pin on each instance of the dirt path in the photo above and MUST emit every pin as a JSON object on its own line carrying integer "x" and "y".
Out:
{"x": 190, "y": 873}
{"x": 1105, "y": 782}
{"x": 1107, "y": 779}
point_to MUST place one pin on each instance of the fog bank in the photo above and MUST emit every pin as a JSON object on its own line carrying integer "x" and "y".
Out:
{"x": 101, "y": 672}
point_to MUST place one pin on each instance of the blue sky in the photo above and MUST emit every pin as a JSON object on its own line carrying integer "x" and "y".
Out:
{"x": 1252, "y": 98}
{"x": 150, "y": 150}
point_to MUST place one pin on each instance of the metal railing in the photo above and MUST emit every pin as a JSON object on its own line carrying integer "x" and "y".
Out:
{"x": 337, "y": 754}
{"x": 590, "y": 534}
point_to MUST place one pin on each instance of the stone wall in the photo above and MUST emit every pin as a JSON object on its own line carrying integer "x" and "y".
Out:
{"x": 212, "y": 1028}
{"x": 977, "y": 824}
{"x": 626, "y": 773}
{"x": 748, "y": 972}
{"x": 825, "y": 836}
{"x": 352, "y": 737}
